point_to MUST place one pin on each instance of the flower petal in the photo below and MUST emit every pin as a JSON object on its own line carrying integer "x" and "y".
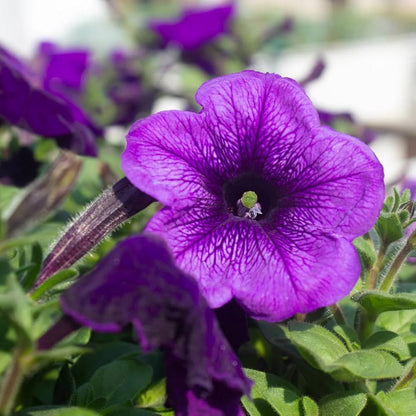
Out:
{"x": 165, "y": 157}
{"x": 334, "y": 184}
{"x": 256, "y": 119}
{"x": 195, "y": 27}
{"x": 273, "y": 271}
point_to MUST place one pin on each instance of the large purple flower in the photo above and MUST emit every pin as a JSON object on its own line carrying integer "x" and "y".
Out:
{"x": 194, "y": 27}
{"x": 139, "y": 284}
{"x": 261, "y": 201}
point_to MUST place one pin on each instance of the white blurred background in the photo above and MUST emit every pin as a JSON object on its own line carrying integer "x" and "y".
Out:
{"x": 374, "y": 77}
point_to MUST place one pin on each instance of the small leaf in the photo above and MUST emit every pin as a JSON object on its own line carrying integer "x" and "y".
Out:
{"x": 271, "y": 394}
{"x": 323, "y": 350}
{"x": 366, "y": 365}
{"x": 365, "y": 251}
{"x": 117, "y": 382}
{"x": 388, "y": 341}
{"x": 400, "y": 322}
{"x": 129, "y": 411}
{"x": 59, "y": 411}
{"x": 389, "y": 227}
{"x": 376, "y": 302}
{"x": 154, "y": 396}
{"x": 348, "y": 335}
{"x": 343, "y": 404}
{"x": 317, "y": 345}
{"x": 401, "y": 402}
{"x": 309, "y": 407}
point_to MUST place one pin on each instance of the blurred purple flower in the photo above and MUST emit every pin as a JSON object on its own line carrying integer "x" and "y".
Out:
{"x": 63, "y": 73}
{"x": 316, "y": 189}
{"x": 330, "y": 118}
{"x": 131, "y": 97}
{"x": 25, "y": 104}
{"x": 20, "y": 168}
{"x": 138, "y": 283}
{"x": 195, "y": 27}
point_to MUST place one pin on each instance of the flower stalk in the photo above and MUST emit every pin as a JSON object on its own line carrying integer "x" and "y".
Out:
{"x": 110, "y": 209}
{"x": 13, "y": 380}
{"x": 398, "y": 262}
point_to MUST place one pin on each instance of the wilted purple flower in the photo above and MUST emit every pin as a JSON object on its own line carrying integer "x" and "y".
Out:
{"x": 317, "y": 190}
{"x": 195, "y": 27}
{"x": 139, "y": 284}
{"x": 24, "y": 104}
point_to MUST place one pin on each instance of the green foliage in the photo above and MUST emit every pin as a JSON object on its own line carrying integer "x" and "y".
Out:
{"x": 357, "y": 358}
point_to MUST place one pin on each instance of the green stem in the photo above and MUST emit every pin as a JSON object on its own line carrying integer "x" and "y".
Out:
{"x": 401, "y": 257}
{"x": 371, "y": 281}
{"x": 338, "y": 315}
{"x": 366, "y": 324}
{"x": 11, "y": 383}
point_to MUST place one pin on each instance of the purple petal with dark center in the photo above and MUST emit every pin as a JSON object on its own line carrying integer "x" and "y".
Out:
{"x": 194, "y": 27}
{"x": 138, "y": 283}
{"x": 318, "y": 190}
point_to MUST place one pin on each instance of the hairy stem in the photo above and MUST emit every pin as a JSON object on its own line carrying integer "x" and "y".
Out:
{"x": 401, "y": 257}
{"x": 11, "y": 383}
{"x": 371, "y": 281}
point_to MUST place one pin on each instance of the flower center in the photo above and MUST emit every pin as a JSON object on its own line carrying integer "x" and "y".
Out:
{"x": 247, "y": 205}
{"x": 249, "y": 196}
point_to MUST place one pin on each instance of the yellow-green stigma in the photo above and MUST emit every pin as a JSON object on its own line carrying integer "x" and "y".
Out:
{"x": 249, "y": 199}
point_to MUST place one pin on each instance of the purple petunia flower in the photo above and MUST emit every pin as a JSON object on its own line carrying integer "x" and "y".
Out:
{"x": 194, "y": 27}
{"x": 138, "y": 283}
{"x": 25, "y": 104}
{"x": 261, "y": 201}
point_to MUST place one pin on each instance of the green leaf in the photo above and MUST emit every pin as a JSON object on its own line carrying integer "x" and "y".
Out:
{"x": 271, "y": 394}
{"x": 309, "y": 407}
{"x": 376, "y": 302}
{"x": 115, "y": 383}
{"x": 131, "y": 411}
{"x": 64, "y": 386}
{"x": 400, "y": 322}
{"x": 323, "y": 350}
{"x": 348, "y": 335}
{"x": 389, "y": 227}
{"x": 86, "y": 365}
{"x": 388, "y": 341}
{"x": 365, "y": 251}
{"x": 376, "y": 407}
{"x": 54, "y": 280}
{"x": 402, "y": 402}
{"x": 154, "y": 396}
{"x": 59, "y": 411}
{"x": 343, "y": 404}
{"x": 316, "y": 344}
{"x": 366, "y": 365}
{"x": 16, "y": 309}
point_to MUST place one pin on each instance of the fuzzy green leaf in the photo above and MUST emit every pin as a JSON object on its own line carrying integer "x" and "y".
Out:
{"x": 389, "y": 227}
{"x": 376, "y": 302}
{"x": 345, "y": 404}
{"x": 59, "y": 411}
{"x": 271, "y": 395}
{"x": 401, "y": 402}
{"x": 325, "y": 351}
{"x": 388, "y": 341}
{"x": 114, "y": 384}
